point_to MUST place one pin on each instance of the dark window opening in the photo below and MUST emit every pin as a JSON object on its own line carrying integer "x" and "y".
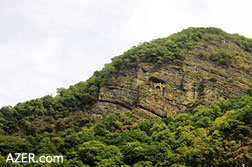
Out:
{"x": 156, "y": 80}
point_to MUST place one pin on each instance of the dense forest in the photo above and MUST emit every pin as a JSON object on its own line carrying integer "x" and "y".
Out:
{"x": 206, "y": 135}
{"x": 215, "y": 135}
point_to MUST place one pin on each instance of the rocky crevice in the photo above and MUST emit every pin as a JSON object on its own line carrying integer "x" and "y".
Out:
{"x": 151, "y": 111}
{"x": 120, "y": 104}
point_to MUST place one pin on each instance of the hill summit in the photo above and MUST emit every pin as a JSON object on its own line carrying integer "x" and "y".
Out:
{"x": 161, "y": 103}
{"x": 153, "y": 80}
{"x": 171, "y": 75}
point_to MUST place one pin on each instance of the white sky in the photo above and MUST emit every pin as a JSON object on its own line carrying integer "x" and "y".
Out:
{"x": 48, "y": 44}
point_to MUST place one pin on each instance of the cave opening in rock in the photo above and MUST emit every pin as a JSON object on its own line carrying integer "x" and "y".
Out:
{"x": 156, "y": 80}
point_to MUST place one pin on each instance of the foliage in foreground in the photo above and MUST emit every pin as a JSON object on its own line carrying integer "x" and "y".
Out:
{"x": 215, "y": 135}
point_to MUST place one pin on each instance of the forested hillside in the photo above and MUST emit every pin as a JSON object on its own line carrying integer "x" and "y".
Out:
{"x": 185, "y": 100}
{"x": 215, "y": 135}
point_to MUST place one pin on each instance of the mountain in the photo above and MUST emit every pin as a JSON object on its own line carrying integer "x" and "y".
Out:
{"x": 171, "y": 75}
{"x": 155, "y": 79}
{"x": 184, "y": 100}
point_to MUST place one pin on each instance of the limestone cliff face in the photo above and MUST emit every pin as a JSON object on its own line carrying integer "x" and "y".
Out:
{"x": 150, "y": 91}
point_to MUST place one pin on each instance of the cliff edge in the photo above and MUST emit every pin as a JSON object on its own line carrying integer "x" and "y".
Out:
{"x": 171, "y": 75}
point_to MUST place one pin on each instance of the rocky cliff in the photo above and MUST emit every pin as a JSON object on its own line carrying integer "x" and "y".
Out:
{"x": 153, "y": 80}
{"x": 214, "y": 67}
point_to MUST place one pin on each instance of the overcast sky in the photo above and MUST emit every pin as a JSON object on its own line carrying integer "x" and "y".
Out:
{"x": 48, "y": 44}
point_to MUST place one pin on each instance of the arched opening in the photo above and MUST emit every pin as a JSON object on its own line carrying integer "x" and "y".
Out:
{"x": 156, "y": 80}
{"x": 158, "y": 88}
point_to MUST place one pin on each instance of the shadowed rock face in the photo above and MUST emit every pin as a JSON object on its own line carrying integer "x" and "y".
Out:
{"x": 151, "y": 91}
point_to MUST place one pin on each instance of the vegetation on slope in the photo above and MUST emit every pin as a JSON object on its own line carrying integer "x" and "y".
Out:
{"x": 172, "y": 49}
{"x": 215, "y": 135}
{"x": 63, "y": 124}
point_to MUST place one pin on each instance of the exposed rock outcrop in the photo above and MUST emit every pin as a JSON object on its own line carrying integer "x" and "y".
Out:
{"x": 150, "y": 91}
